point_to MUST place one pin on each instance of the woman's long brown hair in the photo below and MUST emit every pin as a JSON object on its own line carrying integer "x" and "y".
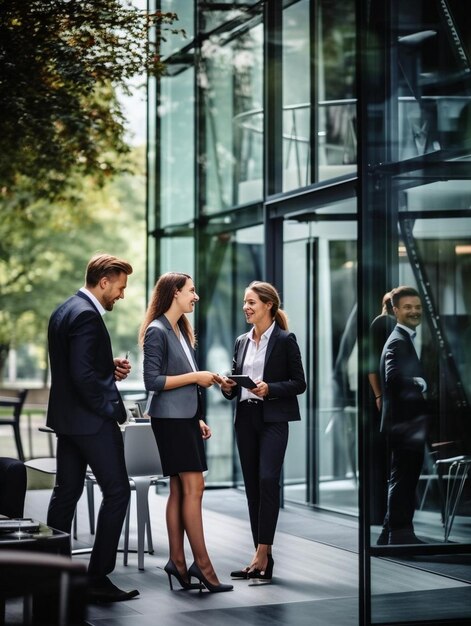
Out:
{"x": 161, "y": 300}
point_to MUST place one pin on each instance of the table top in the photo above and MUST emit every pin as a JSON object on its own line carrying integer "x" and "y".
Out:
{"x": 46, "y": 464}
{"x": 46, "y": 539}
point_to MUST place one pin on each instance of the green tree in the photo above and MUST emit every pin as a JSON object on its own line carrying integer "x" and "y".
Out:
{"x": 50, "y": 245}
{"x": 62, "y": 143}
{"x": 60, "y": 64}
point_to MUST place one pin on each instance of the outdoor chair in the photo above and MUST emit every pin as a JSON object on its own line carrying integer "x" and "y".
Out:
{"x": 15, "y": 405}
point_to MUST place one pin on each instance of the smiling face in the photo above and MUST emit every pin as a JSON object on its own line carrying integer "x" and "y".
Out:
{"x": 112, "y": 289}
{"x": 186, "y": 297}
{"x": 256, "y": 311}
{"x": 409, "y": 311}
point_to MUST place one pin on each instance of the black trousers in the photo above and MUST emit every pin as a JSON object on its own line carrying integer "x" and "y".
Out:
{"x": 262, "y": 447}
{"x": 406, "y": 465}
{"x": 104, "y": 453}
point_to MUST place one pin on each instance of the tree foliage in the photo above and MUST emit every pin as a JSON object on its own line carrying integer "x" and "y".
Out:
{"x": 60, "y": 64}
{"x": 62, "y": 143}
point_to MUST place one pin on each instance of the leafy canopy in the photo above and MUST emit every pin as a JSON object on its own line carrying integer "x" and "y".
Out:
{"x": 60, "y": 64}
{"x": 62, "y": 140}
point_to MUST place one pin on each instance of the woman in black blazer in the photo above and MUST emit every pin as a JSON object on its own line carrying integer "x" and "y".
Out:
{"x": 270, "y": 356}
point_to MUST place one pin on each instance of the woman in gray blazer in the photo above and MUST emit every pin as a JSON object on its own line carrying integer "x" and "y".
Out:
{"x": 269, "y": 354}
{"x": 173, "y": 380}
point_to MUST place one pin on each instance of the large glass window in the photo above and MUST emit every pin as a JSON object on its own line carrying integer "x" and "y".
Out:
{"x": 177, "y": 255}
{"x": 297, "y": 299}
{"x": 177, "y": 157}
{"x": 336, "y": 146}
{"x": 230, "y": 79}
{"x": 231, "y": 261}
{"x": 296, "y": 96}
{"x": 321, "y": 463}
{"x": 418, "y": 123}
{"x": 185, "y": 13}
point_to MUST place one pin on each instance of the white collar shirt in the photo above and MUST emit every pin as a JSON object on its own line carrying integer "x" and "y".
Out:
{"x": 254, "y": 361}
{"x": 412, "y": 334}
{"x": 99, "y": 306}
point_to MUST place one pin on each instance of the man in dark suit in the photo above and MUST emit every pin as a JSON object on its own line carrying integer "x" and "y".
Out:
{"x": 84, "y": 410}
{"x": 404, "y": 416}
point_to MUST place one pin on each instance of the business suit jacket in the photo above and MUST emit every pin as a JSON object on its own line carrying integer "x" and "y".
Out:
{"x": 404, "y": 408}
{"x": 164, "y": 356}
{"x": 83, "y": 389}
{"x": 283, "y": 372}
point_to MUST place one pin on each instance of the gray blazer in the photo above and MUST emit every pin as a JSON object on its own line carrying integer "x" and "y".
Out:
{"x": 164, "y": 356}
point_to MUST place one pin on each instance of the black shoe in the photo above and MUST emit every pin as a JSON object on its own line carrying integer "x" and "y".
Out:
{"x": 267, "y": 574}
{"x": 403, "y": 537}
{"x": 383, "y": 538}
{"x": 103, "y": 590}
{"x": 240, "y": 574}
{"x": 195, "y": 572}
{"x": 171, "y": 570}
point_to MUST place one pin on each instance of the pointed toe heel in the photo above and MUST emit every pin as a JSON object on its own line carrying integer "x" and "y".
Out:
{"x": 195, "y": 572}
{"x": 171, "y": 570}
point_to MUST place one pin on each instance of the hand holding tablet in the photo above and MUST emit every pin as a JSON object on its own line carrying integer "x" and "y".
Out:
{"x": 243, "y": 381}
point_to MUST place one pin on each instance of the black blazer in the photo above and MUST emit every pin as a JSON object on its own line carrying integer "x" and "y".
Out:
{"x": 283, "y": 372}
{"x": 83, "y": 388}
{"x": 403, "y": 400}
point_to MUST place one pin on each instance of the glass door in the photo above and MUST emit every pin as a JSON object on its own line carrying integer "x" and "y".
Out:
{"x": 321, "y": 464}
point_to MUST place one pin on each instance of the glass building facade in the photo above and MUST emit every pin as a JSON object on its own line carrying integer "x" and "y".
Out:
{"x": 326, "y": 147}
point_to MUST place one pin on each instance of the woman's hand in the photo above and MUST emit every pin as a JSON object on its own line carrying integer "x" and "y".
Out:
{"x": 206, "y": 379}
{"x": 205, "y": 430}
{"x": 261, "y": 390}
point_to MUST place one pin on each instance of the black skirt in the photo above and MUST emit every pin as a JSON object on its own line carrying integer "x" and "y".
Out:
{"x": 180, "y": 444}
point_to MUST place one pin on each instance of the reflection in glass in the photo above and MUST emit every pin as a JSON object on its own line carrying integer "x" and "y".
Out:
{"x": 185, "y": 13}
{"x": 232, "y": 261}
{"x": 230, "y": 77}
{"x": 295, "y": 295}
{"x": 296, "y": 96}
{"x": 176, "y": 112}
{"x": 336, "y": 148}
{"x": 321, "y": 303}
{"x": 177, "y": 255}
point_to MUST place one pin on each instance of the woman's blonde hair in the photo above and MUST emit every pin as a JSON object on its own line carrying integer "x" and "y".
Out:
{"x": 267, "y": 293}
{"x": 161, "y": 300}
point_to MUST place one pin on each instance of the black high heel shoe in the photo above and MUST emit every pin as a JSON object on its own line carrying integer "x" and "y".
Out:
{"x": 257, "y": 575}
{"x": 195, "y": 572}
{"x": 171, "y": 570}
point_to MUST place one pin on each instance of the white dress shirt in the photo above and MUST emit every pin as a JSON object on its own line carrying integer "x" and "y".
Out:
{"x": 254, "y": 361}
{"x": 89, "y": 294}
{"x": 412, "y": 334}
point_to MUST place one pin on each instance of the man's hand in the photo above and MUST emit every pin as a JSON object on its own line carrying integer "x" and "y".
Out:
{"x": 122, "y": 367}
{"x": 226, "y": 384}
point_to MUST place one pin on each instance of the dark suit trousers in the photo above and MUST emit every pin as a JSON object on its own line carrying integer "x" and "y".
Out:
{"x": 262, "y": 447}
{"x": 104, "y": 453}
{"x": 406, "y": 465}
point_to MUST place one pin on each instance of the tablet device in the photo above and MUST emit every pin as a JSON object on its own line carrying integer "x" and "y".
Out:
{"x": 243, "y": 381}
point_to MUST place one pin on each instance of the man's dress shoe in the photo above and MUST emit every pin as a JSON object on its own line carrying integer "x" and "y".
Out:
{"x": 383, "y": 539}
{"x": 103, "y": 590}
{"x": 403, "y": 537}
